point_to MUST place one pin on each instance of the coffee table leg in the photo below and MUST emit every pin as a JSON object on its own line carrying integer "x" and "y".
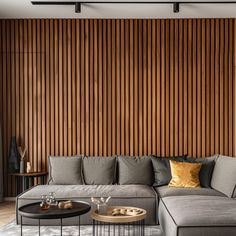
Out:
{"x": 93, "y": 228}
{"x": 143, "y": 227}
{"x": 79, "y": 225}
{"x": 61, "y": 226}
{"x": 21, "y": 231}
{"x": 39, "y": 227}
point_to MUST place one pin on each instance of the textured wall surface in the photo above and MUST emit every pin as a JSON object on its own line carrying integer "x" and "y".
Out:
{"x": 103, "y": 87}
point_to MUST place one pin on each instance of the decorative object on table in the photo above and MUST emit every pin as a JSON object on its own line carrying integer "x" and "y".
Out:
{"x": 122, "y": 223}
{"x": 51, "y": 199}
{"x": 14, "y": 157}
{"x": 101, "y": 204}
{"x": 22, "y": 159}
{"x": 28, "y": 167}
{"x": 44, "y": 204}
{"x": 65, "y": 204}
{"x": 126, "y": 211}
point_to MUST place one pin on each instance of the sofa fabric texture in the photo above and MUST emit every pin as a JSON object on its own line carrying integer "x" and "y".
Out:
{"x": 180, "y": 211}
{"x": 135, "y": 170}
{"x": 65, "y": 170}
{"x": 206, "y": 171}
{"x": 196, "y": 210}
{"x": 142, "y": 196}
{"x": 161, "y": 168}
{"x": 224, "y": 176}
{"x": 166, "y": 191}
{"x": 100, "y": 170}
{"x": 177, "y": 218}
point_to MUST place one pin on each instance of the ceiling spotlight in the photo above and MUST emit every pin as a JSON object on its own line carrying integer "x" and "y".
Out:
{"x": 176, "y": 7}
{"x": 77, "y": 7}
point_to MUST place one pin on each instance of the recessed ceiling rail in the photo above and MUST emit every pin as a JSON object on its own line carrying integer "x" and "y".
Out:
{"x": 176, "y": 4}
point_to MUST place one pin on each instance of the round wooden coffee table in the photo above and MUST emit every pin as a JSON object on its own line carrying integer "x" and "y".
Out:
{"x": 118, "y": 225}
{"x": 34, "y": 211}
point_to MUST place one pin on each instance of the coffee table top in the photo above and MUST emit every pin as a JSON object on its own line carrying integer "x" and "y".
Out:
{"x": 109, "y": 218}
{"x": 34, "y": 211}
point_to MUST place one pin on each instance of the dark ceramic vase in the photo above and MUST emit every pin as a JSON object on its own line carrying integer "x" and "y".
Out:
{"x": 14, "y": 157}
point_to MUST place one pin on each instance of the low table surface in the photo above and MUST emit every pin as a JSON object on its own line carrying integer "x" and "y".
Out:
{"x": 34, "y": 211}
{"x": 109, "y": 218}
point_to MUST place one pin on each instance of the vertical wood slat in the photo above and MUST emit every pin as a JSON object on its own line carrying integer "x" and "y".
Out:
{"x": 108, "y": 87}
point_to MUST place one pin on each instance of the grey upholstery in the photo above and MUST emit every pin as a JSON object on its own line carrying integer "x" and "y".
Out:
{"x": 128, "y": 195}
{"x": 135, "y": 170}
{"x": 181, "y": 211}
{"x": 224, "y": 175}
{"x": 99, "y": 170}
{"x": 212, "y": 215}
{"x": 161, "y": 168}
{"x": 206, "y": 171}
{"x": 165, "y": 191}
{"x": 65, "y": 170}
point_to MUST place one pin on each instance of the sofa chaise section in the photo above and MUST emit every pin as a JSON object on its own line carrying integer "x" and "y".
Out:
{"x": 127, "y": 195}
{"x": 197, "y": 216}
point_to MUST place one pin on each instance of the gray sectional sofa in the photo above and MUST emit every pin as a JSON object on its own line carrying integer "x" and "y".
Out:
{"x": 142, "y": 182}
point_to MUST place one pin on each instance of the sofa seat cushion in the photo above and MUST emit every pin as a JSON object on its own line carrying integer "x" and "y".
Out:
{"x": 75, "y": 191}
{"x": 122, "y": 195}
{"x": 201, "y": 210}
{"x": 197, "y": 215}
{"x": 165, "y": 191}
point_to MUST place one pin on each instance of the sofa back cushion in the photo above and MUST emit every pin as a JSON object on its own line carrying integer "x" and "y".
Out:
{"x": 207, "y": 168}
{"x": 65, "y": 170}
{"x": 224, "y": 175}
{"x": 99, "y": 170}
{"x": 162, "y": 171}
{"x": 135, "y": 170}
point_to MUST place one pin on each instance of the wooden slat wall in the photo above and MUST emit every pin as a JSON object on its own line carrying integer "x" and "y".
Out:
{"x": 105, "y": 87}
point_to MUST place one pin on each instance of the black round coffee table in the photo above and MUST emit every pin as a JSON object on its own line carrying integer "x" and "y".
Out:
{"x": 34, "y": 211}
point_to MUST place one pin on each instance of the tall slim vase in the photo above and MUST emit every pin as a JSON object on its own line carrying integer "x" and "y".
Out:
{"x": 1, "y": 166}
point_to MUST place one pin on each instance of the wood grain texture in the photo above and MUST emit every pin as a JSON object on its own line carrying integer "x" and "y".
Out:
{"x": 108, "y": 87}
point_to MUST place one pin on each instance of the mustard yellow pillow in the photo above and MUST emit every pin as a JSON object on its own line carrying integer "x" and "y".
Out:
{"x": 185, "y": 174}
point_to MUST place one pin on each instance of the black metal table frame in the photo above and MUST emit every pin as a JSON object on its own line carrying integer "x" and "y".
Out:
{"x": 99, "y": 228}
{"x": 39, "y": 225}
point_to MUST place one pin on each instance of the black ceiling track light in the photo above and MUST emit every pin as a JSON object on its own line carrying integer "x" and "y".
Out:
{"x": 176, "y": 4}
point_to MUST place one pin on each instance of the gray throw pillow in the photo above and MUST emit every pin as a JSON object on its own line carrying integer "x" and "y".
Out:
{"x": 135, "y": 170}
{"x": 65, "y": 170}
{"x": 99, "y": 170}
{"x": 162, "y": 170}
{"x": 224, "y": 175}
{"x": 206, "y": 171}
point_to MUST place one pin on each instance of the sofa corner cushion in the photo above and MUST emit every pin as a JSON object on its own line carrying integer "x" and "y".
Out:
{"x": 207, "y": 168}
{"x": 99, "y": 170}
{"x": 224, "y": 175}
{"x": 161, "y": 168}
{"x": 135, "y": 170}
{"x": 65, "y": 170}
